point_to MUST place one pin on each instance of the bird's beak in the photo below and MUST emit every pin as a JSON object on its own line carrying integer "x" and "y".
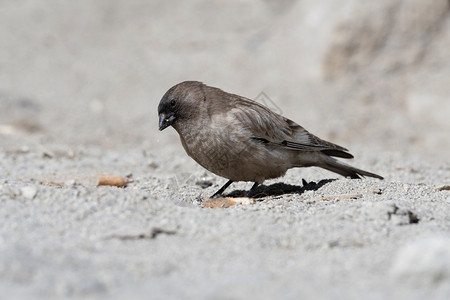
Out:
{"x": 165, "y": 120}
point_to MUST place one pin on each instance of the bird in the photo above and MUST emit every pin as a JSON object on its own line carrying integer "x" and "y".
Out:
{"x": 242, "y": 140}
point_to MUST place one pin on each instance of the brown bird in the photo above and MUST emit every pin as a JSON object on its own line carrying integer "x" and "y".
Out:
{"x": 242, "y": 140}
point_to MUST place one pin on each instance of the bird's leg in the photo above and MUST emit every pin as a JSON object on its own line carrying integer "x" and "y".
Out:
{"x": 222, "y": 189}
{"x": 254, "y": 186}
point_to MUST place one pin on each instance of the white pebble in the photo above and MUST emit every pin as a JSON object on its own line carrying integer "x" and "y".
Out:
{"x": 29, "y": 192}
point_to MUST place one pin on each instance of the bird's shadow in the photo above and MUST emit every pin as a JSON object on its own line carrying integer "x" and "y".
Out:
{"x": 279, "y": 189}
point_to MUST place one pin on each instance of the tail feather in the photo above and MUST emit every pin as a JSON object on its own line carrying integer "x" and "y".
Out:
{"x": 337, "y": 153}
{"x": 346, "y": 170}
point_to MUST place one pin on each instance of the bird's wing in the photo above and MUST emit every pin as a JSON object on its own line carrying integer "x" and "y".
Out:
{"x": 269, "y": 127}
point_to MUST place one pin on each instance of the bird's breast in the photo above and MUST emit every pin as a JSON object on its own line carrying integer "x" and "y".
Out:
{"x": 232, "y": 154}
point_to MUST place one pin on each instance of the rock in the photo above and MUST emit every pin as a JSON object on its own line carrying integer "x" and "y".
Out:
{"x": 400, "y": 216}
{"x": 29, "y": 192}
{"x": 70, "y": 182}
{"x": 385, "y": 35}
{"x": 204, "y": 183}
{"x": 423, "y": 262}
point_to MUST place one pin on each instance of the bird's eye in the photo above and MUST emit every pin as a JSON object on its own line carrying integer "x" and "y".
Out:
{"x": 173, "y": 102}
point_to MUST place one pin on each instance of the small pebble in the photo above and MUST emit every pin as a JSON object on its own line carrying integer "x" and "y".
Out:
{"x": 204, "y": 183}
{"x": 70, "y": 182}
{"x": 29, "y": 192}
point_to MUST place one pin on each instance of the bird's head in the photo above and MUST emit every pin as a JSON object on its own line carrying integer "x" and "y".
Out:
{"x": 179, "y": 102}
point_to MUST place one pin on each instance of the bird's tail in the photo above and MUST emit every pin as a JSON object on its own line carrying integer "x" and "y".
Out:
{"x": 345, "y": 170}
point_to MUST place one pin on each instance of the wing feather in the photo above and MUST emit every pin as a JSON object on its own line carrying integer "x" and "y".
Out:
{"x": 271, "y": 128}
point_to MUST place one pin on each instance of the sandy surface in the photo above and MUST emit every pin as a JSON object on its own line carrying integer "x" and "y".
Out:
{"x": 79, "y": 87}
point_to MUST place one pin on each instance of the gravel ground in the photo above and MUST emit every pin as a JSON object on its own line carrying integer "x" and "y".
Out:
{"x": 62, "y": 236}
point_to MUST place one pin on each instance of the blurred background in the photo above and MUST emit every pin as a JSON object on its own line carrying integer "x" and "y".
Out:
{"x": 358, "y": 73}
